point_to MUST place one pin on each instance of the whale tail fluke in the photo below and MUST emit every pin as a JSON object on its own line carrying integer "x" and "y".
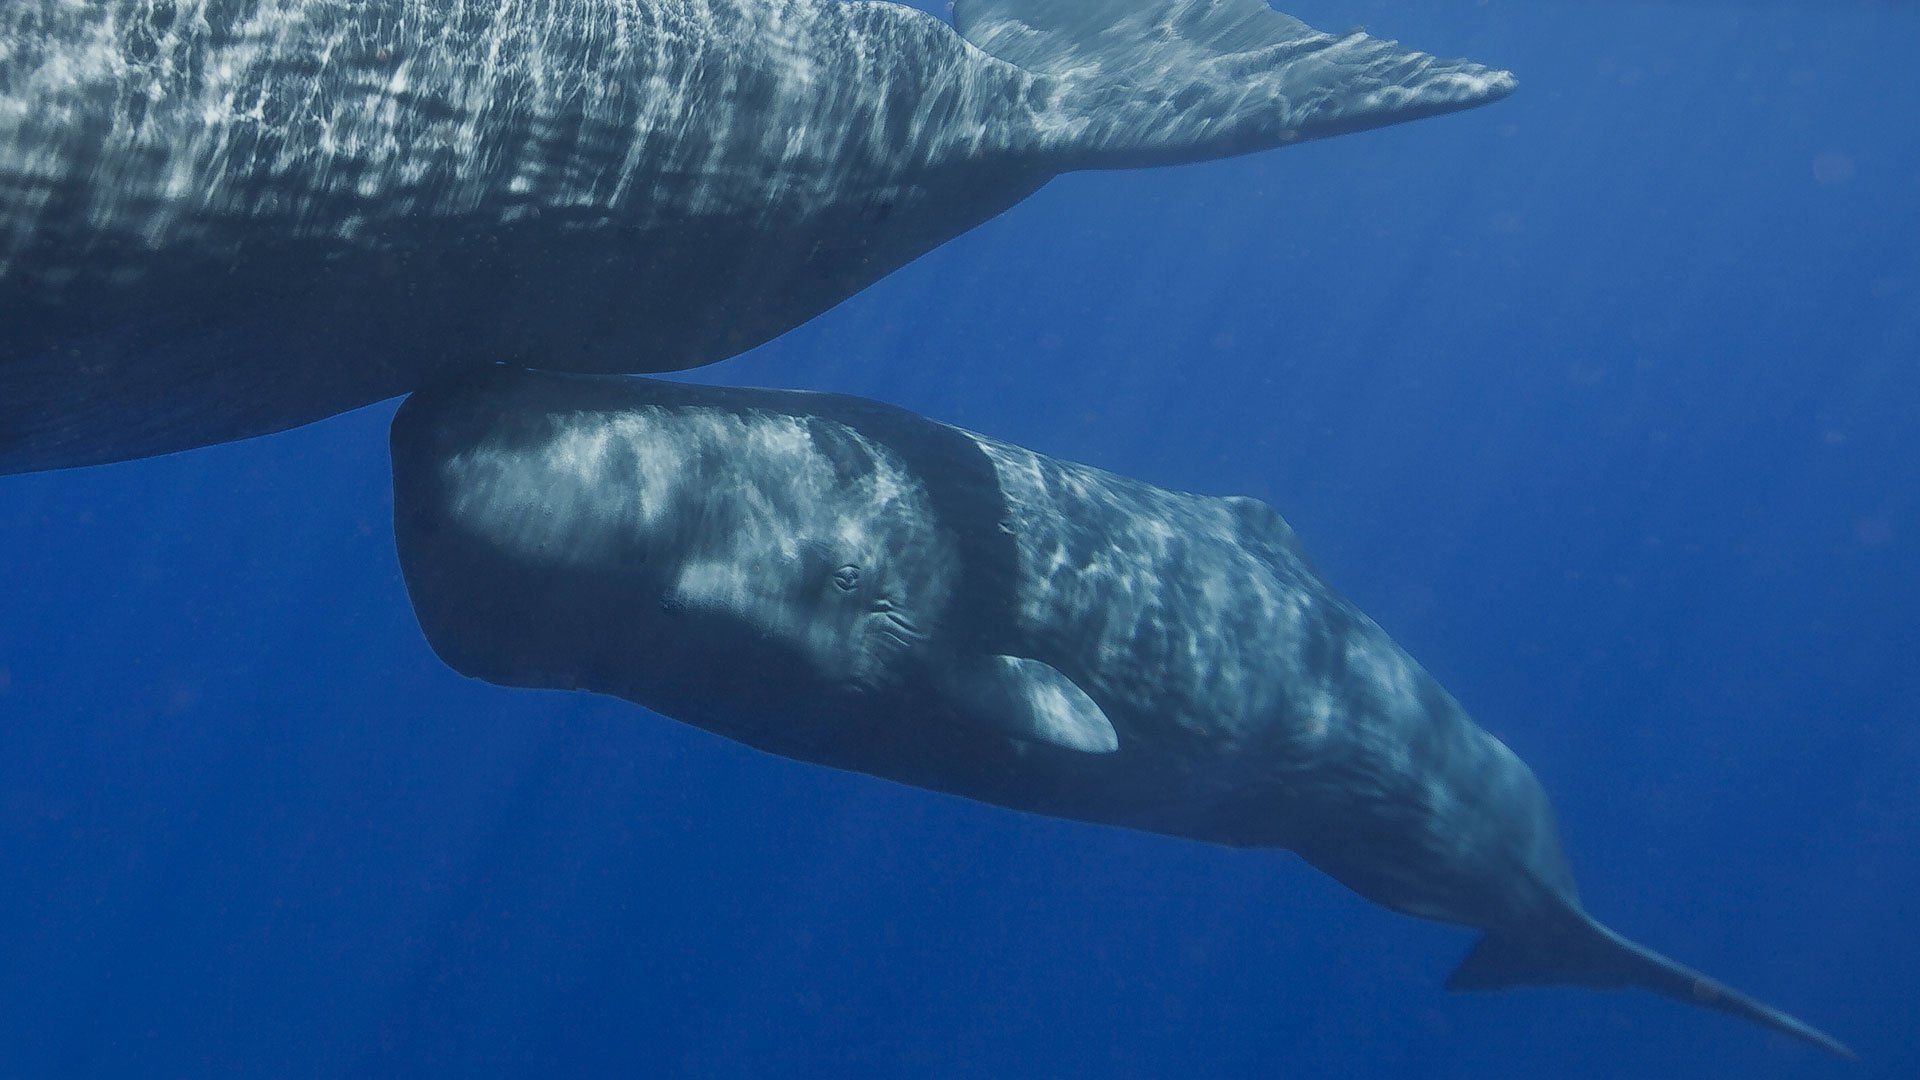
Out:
{"x": 1150, "y": 82}
{"x": 1585, "y": 953}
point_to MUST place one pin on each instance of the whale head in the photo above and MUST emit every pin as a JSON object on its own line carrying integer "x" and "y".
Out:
{"x": 663, "y": 551}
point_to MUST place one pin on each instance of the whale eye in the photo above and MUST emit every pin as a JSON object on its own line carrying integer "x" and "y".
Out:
{"x": 847, "y": 577}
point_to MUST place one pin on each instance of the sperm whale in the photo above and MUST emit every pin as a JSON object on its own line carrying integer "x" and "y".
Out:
{"x": 222, "y": 218}
{"x": 844, "y": 583}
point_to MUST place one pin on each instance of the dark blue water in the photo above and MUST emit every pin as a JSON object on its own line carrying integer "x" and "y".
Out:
{"x": 1602, "y": 400}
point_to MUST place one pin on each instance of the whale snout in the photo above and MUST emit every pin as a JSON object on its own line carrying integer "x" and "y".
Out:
{"x": 494, "y": 523}
{"x": 445, "y": 419}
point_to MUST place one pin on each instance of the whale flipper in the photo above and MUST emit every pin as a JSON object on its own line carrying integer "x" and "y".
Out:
{"x": 1165, "y": 81}
{"x": 1031, "y": 700}
{"x": 1584, "y": 953}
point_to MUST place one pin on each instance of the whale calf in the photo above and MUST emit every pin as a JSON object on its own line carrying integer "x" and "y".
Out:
{"x": 845, "y": 583}
{"x": 221, "y": 218}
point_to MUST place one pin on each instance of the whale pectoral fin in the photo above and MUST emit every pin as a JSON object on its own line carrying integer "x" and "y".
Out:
{"x": 1162, "y": 81}
{"x": 1031, "y": 700}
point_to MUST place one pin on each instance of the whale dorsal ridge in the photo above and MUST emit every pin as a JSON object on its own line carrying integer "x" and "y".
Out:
{"x": 1261, "y": 527}
{"x": 1031, "y": 700}
{"x": 1116, "y": 36}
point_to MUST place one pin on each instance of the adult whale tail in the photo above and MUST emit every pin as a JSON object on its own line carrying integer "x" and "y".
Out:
{"x": 1581, "y": 952}
{"x": 1158, "y": 82}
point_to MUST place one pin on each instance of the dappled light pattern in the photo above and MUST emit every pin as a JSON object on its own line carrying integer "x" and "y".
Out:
{"x": 413, "y": 187}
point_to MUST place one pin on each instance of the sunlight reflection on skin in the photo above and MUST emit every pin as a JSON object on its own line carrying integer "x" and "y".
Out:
{"x": 597, "y": 185}
{"x": 1229, "y": 671}
{"x": 859, "y": 587}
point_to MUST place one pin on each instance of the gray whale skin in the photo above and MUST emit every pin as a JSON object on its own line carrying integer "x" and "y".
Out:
{"x": 221, "y": 218}
{"x": 845, "y": 583}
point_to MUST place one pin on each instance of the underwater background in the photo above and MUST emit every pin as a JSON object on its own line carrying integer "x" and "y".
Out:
{"x": 1602, "y": 400}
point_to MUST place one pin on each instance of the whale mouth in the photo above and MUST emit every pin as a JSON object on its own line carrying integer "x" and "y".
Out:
{"x": 893, "y": 625}
{"x": 888, "y": 636}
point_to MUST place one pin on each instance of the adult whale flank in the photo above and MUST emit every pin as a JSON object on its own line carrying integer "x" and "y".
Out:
{"x": 220, "y": 218}
{"x": 845, "y": 583}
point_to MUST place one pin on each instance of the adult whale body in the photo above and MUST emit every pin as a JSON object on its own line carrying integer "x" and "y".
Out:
{"x": 845, "y": 583}
{"x": 220, "y": 218}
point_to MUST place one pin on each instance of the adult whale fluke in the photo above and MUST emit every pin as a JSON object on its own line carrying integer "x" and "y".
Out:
{"x": 220, "y": 218}
{"x": 841, "y": 582}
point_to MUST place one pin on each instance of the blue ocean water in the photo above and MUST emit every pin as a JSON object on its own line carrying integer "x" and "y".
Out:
{"x": 1601, "y": 399}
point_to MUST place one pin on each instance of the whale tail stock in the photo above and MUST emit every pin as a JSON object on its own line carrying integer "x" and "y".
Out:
{"x": 1581, "y": 952}
{"x": 1152, "y": 82}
